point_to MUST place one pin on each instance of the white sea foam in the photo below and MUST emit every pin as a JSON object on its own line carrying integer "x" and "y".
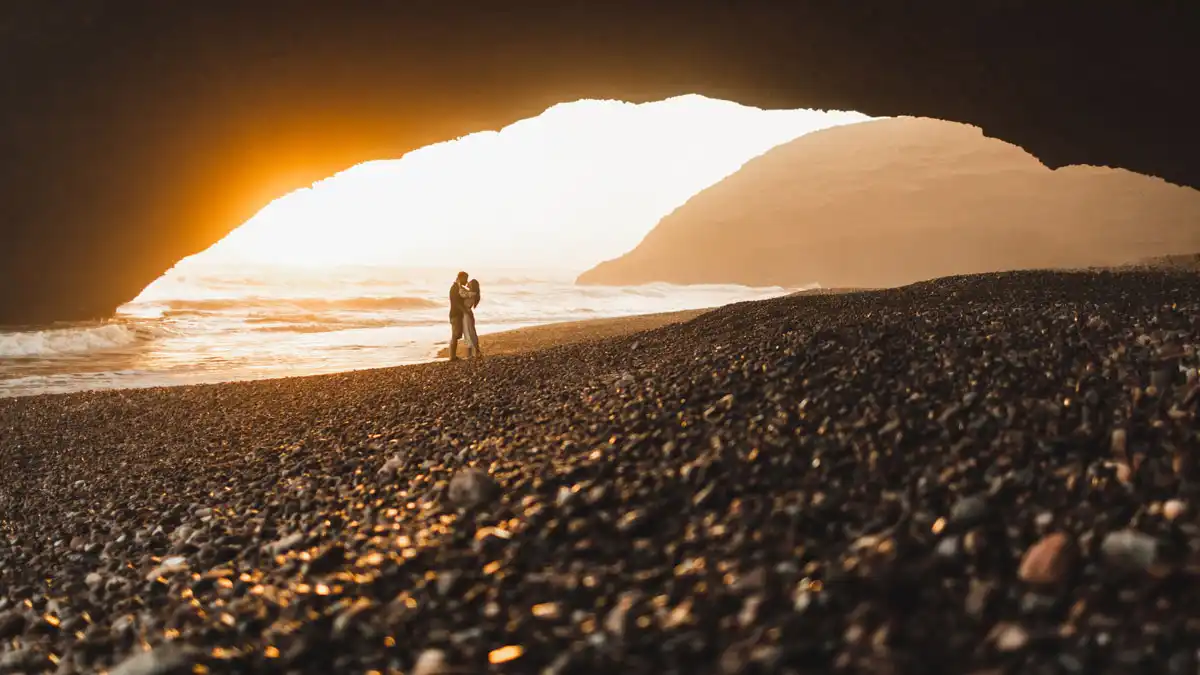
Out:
{"x": 240, "y": 324}
{"x": 76, "y": 340}
{"x": 367, "y": 303}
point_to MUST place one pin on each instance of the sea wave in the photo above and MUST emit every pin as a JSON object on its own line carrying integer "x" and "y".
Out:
{"x": 258, "y": 304}
{"x": 320, "y": 326}
{"x": 78, "y": 340}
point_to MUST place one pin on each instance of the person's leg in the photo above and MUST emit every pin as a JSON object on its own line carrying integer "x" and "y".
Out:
{"x": 469, "y": 331}
{"x": 475, "y": 337}
{"x": 456, "y": 332}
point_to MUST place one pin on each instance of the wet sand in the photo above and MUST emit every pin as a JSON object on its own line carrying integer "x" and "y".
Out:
{"x": 972, "y": 475}
{"x": 571, "y": 332}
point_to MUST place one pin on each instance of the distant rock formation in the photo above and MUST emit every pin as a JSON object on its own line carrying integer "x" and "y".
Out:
{"x": 1184, "y": 261}
{"x": 893, "y": 201}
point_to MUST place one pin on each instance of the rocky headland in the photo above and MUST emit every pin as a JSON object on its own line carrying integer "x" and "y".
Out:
{"x": 894, "y": 201}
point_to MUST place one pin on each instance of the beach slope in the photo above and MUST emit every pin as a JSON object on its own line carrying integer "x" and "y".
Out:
{"x": 571, "y": 332}
{"x": 869, "y": 481}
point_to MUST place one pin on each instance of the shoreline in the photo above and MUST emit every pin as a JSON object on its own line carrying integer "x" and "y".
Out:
{"x": 504, "y": 342}
{"x": 531, "y": 338}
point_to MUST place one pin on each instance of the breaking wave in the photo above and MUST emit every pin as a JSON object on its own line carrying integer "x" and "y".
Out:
{"x": 85, "y": 340}
{"x": 235, "y": 326}
{"x": 361, "y": 304}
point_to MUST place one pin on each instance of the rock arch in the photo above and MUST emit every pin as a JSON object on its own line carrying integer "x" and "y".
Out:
{"x": 136, "y": 133}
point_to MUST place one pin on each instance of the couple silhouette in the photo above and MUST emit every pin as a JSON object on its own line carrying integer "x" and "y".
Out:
{"x": 464, "y": 298}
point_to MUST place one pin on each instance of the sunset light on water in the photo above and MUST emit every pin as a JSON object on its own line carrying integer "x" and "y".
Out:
{"x": 352, "y": 272}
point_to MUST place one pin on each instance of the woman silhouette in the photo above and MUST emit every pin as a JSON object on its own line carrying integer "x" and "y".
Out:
{"x": 471, "y": 297}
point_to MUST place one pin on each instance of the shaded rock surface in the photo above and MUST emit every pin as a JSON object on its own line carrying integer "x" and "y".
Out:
{"x": 103, "y": 192}
{"x": 899, "y": 200}
{"x": 830, "y": 483}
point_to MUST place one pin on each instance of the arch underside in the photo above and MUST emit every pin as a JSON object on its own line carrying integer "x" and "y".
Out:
{"x": 133, "y": 136}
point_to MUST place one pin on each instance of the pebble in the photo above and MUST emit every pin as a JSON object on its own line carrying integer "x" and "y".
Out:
{"x": 969, "y": 510}
{"x": 12, "y": 624}
{"x": 164, "y": 660}
{"x": 167, "y": 567}
{"x": 327, "y": 560}
{"x": 979, "y": 598}
{"x": 1173, "y": 509}
{"x": 182, "y": 533}
{"x": 948, "y": 547}
{"x": 431, "y": 662}
{"x": 1119, "y": 442}
{"x": 22, "y": 660}
{"x": 1048, "y": 561}
{"x": 1121, "y": 470}
{"x": 393, "y": 465}
{"x": 1010, "y": 637}
{"x": 505, "y": 654}
{"x": 1129, "y": 548}
{"x": 287, "y": 543}
{"x": 472, "y": 488}
{"x": 1161, "y": 378}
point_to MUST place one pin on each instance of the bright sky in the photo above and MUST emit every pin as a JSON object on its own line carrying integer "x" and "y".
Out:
{"x": 581, "y": 183}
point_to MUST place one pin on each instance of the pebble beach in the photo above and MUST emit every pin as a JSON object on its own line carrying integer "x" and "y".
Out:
{"x": 985, "y": 474}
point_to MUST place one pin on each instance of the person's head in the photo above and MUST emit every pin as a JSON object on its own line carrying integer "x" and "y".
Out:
{"x": 462, "y": 277}
{"x": 473, "y": 286}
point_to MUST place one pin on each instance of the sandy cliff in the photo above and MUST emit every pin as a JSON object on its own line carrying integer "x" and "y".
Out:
{"x": 893, "y": 201}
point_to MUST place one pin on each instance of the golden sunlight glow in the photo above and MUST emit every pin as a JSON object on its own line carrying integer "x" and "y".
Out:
{"x": 580, "y": 183}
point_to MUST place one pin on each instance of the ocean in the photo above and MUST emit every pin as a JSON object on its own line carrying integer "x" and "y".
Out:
{"x": 204, "y": 323}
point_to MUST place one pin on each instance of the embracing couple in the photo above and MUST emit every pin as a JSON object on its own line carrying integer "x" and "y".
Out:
{"x": 464, "y": 298}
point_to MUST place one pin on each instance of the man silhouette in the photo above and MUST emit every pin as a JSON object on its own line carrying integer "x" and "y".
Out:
{"x": 456, "y": 313}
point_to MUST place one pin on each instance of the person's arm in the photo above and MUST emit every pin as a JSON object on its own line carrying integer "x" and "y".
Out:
{"x": 467, "y": 295}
